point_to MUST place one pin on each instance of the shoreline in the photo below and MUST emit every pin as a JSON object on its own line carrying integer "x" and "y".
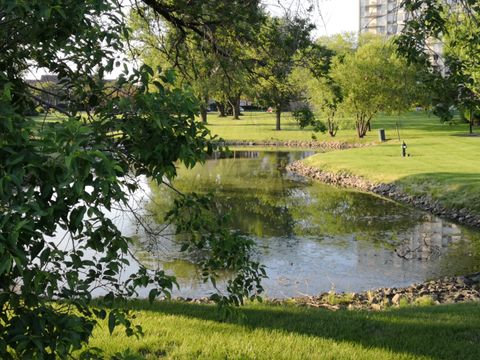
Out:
{"x": 391, "y": 191}
{"x": 446, "y": 290}
{"x": 300, "y": 144}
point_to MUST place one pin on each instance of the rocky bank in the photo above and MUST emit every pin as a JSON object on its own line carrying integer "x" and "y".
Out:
{"x": 392, "y": 191}
{"x": 448, "y": 290}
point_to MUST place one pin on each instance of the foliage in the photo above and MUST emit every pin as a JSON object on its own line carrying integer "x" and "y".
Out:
{"x": 444, "y": 36}
{"x": 305, "y": 117}
{"x": 373, "y": 79}
{"x": 66, "y": 175}
{"x": 442, "y": 110}
{"x": 156, "y": 43}
{"x": 219, "y": 74}
{"x": 284, "y": 44}
{"x": 324, "y": 95}
{"x": 340, "y": 44}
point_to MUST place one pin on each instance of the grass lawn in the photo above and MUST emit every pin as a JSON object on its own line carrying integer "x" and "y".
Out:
{"x": 191, "y": 331}
{"x": 444, "y": 163}
{"x": 261, "y": 126}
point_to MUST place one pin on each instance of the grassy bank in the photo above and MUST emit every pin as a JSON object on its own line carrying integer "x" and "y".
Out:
{"x": 191, "y": 331}
{"x": 443, "y": 162}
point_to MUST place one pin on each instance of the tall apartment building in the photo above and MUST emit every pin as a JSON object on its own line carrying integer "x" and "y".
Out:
{"x": 381, "y": 16}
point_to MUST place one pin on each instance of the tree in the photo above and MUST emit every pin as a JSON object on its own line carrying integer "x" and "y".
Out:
{"x": 444, "y": 36}
{"x": 220, "y": 73}
{"x": 323, "y": 95}
{"x": 340, "y": 44}
{"x": 65, "y": 174}
{"x": 282, "y": 42}
{"x": 373, "y": 79}
{"x": 190, "y": 58}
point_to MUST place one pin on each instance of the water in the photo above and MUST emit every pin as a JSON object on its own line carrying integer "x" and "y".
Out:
{"x": 311, "y": 237}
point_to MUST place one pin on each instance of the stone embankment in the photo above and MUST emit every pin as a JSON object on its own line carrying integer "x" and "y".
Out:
{"x": 304, "y": 144}
{"x": 447, "y": 290}
{"x": 392, "y": 191}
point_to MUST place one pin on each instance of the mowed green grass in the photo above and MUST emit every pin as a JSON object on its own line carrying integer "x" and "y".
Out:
{"x": 190, "y": 331}
{"x": 261, "y": 126}
{"x": 258, "y": 126}
{"x": 444, "y": 161}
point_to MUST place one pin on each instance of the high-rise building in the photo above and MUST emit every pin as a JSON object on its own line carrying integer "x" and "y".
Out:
{"x": 381, "y": 17}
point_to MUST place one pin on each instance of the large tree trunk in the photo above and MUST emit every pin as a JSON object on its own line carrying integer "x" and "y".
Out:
{"x": 221, "y": 109}
{"x": 471, "y": 121}
{"x": 278, "y": 113}
{"x": 235, "y": 104}
{"x": 203, "y": 113}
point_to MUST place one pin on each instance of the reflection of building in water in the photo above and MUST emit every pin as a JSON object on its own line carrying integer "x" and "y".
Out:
{"x": 429, "y": 239}
{"x": 414, "y": 255}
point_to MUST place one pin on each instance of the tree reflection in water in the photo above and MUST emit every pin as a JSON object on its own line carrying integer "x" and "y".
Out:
{"x": 315, "y": 234}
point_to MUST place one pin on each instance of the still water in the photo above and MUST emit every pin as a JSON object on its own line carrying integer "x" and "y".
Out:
{"x": 311, "y": 237}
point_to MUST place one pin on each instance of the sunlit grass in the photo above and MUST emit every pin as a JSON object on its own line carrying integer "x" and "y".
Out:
{"x": 189, "y": 331}
{"x": 443, "y": 162}
{"x": 258, "y": 126}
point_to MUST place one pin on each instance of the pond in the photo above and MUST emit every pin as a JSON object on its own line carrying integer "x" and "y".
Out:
{"x": 311, "y": 237}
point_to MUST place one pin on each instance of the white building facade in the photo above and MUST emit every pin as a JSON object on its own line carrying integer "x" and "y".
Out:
{"x": 384, "y": 17}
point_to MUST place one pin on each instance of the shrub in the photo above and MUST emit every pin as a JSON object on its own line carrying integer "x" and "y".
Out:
{"x": 425, "y": 300}
{"x": 305, "y": 117}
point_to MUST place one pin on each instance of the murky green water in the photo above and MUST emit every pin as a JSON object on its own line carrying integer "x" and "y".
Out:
{"x": 312, "y": 237}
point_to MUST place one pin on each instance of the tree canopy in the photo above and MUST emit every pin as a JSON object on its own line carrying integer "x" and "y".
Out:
{"x": 444, "y": 36}
{"x": 284, "y": 43}
{"x": 65, "y": 174}
{"x": 372, "y": 79}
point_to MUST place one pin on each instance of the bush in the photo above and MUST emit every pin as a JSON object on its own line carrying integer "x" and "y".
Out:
{"x": 443, "y": 112}
{"x": 305, "y": 117}
{"x": 424, "y": 300}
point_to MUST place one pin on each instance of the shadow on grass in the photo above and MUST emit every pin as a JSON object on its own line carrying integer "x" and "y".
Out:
{"x": 440, "y": 332}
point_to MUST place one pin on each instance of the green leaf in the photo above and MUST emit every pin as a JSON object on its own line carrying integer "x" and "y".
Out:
{"x": 111, "y": 321}
{"x": 152, "y": 295}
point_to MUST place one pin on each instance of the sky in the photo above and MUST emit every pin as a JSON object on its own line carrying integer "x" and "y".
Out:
{"x": 330, "y": 16}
